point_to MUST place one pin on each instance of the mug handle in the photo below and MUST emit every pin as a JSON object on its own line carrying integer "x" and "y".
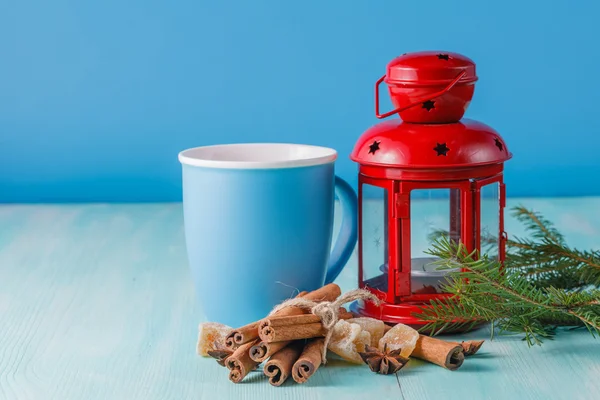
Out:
{"x": 344, "y": 245}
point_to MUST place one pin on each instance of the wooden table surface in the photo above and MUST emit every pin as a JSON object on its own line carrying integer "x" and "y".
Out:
{"x": 96, "y": 302}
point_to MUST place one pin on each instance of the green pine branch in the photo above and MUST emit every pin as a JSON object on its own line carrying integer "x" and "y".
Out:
{"x": 506, "y": 297}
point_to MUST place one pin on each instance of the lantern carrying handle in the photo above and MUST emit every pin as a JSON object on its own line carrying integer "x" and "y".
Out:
{"x": 414, "y": 103}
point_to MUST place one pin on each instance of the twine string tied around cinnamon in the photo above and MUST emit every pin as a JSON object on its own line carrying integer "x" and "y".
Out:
{"x": 327, "y": 311}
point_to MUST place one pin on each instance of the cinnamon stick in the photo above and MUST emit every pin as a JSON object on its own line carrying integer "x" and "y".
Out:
{"x": 445, "y": 354}
{"x": 329, "y": 292}
{"x": 241, "y": 335}
{"x": 240, "y": 363}
{"x": 279, "y": 366}
{"x": 288, "y": 320}
{"x": 249, "y": 332}
{"x": 281, "y": 329}
{"x": 261, "y": 351}
{"x": 309, "y": 361}
{"x": 292, "y": 332}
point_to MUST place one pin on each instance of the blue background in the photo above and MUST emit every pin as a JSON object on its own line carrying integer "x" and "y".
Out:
{"x": 97, "y": 98}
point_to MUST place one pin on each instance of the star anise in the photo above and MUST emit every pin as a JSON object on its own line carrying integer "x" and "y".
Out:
{"x": 471, "y": 347}
{"x": 383, "y": 362}
{"x": 220, "y": 355}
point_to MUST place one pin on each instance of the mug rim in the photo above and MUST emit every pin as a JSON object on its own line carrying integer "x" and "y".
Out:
{"x": 216, "y": 156}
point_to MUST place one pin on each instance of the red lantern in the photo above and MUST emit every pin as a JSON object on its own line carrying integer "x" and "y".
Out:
{"x": 432, "y": 172}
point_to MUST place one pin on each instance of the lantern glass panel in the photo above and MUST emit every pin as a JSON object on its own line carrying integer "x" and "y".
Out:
{"x": 433, "y": 213}
{"x": 490, "y": 219}
{"x": 374, "y": 242}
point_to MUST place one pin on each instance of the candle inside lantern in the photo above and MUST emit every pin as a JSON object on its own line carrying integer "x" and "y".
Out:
{"x": 426, "y": 278}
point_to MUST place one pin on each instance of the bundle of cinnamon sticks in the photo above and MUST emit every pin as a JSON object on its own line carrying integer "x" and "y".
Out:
{"x": 290, "y": 343}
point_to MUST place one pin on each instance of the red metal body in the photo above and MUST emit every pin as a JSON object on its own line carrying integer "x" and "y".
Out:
{"x": 462, "y": 156}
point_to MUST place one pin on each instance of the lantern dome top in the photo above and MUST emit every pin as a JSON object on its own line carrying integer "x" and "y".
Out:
{"x": 398, "y": 144}
{"x": 426, "y": 68}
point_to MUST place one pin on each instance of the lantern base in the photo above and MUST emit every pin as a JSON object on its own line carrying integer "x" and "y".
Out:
{"x": 400, "y": 313}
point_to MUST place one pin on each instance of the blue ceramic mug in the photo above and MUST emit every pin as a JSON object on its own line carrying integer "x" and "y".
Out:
{"x": 258, "y": 225}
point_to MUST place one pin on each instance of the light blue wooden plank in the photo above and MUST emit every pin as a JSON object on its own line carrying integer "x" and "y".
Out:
{"x": 96, "y": 303}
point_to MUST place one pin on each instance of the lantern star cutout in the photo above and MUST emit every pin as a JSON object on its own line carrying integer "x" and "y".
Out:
{"x": 441, "y": 149}
{"x": 429, "y": 105}
{"x": 443, "y": 57}
{"x": 499, "y": 144}
{"x": 374, "y": 147}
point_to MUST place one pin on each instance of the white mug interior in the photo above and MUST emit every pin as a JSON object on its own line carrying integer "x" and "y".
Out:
{"x": 257, "y": 155}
